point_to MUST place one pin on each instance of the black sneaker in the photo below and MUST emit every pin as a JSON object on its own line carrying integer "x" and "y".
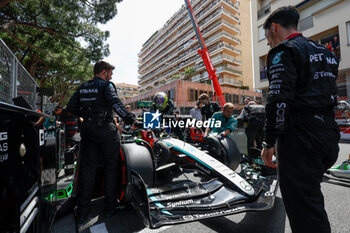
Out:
{"x": 111, "y": 213}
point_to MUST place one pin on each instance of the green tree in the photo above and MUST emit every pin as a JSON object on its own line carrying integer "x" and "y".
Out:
{"x": 189, "y": 71}
{"x": 56, "y": 40}
{"x": 175, "y": 76}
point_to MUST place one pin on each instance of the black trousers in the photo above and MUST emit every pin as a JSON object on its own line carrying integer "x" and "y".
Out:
{"x": 305, "y": 152}
{"x": 98, "y": 140}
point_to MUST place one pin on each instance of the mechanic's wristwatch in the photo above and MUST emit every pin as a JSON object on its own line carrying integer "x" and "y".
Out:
{"x": 266, "y": 146}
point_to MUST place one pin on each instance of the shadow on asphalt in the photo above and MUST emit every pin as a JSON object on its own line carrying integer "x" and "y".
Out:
{"x": 336, "y": 181}
{"x": 126, "y": 220}
{"x": 273, "y": 220}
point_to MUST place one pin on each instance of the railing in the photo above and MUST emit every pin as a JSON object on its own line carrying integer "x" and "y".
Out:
{"x": 230, "y": 81}
{"x": 231, "y": 15}
{"x": 203, "y": 14}
{"x": 227, "y": 57}
{"x": 14, "y": 79}
{"x": 231, "y": 26}
{"x": 264, "y": 11}
{"x": 231, "y": 4}
{"x": 7, "y": 74}
{"x": 153, "y": 71}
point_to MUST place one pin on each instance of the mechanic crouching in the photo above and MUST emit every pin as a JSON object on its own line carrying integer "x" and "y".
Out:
{"x": 228, "y": 121}
{"x": 94, "y": 101}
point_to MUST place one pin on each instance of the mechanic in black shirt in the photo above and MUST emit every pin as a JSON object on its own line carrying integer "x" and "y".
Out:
{"x": 299, "y": 114}
{"x": 94, "y": 101}
{"x": 209, "y": 108}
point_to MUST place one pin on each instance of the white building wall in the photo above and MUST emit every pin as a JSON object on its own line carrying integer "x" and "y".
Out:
{"x": 335, "y": 16}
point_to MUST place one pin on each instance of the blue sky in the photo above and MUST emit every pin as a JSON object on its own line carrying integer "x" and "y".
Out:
{"x": 135, "y": 22}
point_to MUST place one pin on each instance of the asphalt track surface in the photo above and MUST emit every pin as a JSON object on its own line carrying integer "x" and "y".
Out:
{"x": 337, "y": 201}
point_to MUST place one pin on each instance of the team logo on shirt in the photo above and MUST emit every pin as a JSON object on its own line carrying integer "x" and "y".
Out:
{"x": 277, "y": 58}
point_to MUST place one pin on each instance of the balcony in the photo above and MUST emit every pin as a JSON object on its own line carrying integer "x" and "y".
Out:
{"x": 306, "y": 23}
{"x": 229, "y": 68}
{"x": 229, "y": 81}
{"x": 231, "y": 4}
{"x": 264, "y": 11}
{"x": 204, "y": 13}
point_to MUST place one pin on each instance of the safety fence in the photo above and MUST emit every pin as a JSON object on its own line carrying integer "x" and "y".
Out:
{"x": 16, "y": 81}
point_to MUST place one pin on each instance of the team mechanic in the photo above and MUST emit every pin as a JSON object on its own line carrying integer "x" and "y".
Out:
{"x": 94, "y": 101}
{"x": 302, "y": 95}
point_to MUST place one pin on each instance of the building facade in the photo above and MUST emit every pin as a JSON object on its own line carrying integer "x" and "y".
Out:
{"x": 323, "y": 21}
{"x": 126, "y": 91}
{"x": 185, "y": 100}
{"x": 170, "y": 54}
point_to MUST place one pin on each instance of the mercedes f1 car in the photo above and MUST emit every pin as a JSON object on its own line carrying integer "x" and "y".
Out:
{"x": 169, "y": 181}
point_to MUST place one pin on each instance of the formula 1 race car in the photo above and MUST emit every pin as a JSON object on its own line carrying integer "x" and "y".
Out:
{"x": 172, "y": 182}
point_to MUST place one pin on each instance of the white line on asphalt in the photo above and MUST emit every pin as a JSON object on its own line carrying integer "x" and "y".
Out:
{"x": 147, "y": 230}
{"x": 99, "y": 228}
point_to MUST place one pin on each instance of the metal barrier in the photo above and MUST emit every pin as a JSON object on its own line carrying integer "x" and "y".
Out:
{"x": 16, "y": 81}
{"x": 7, "y": 73}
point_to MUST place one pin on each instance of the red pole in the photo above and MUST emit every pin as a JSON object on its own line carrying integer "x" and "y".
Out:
{"x": 203, "y": 52}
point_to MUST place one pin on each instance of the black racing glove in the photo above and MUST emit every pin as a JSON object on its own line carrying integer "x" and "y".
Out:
{"x": 129, "y": 120}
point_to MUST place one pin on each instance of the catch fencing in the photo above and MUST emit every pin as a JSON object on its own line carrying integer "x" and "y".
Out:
{"x": 16, "y": 81}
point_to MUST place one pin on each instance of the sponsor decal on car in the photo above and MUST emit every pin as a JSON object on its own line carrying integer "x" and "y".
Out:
{"x": 3, "y": 147}
{"x": 271, "y": 192}
{"x": 179, "y": 203}
{"x": 217, "y": 213}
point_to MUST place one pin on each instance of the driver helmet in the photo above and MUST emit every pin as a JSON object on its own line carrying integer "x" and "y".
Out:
{"x": 160, "y": 100}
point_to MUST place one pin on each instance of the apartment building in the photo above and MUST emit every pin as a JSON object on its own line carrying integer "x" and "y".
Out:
{"x": 185, "y": 100}
{"x": 170, "y": 54}
{"x": 126, "y": 91}
{"x": 324, "y": 21}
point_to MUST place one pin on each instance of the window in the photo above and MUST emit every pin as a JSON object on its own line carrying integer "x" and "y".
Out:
{"x": 235, "y": 99}
{"x": 263, "y": 75}
{"x": 172, "y": 94}
{"x": 242, "y": 99}
{"x": 348, "y": 31}
{"x": 261, "y": 33}
{"x": 191, "y": 95}
{"x": 168, "y": 94}
{"x": 211, "y": 95}
{"x": 228, "y": 97}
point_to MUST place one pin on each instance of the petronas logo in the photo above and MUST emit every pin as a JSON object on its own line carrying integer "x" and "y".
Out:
{"x": 277, "y": 58}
